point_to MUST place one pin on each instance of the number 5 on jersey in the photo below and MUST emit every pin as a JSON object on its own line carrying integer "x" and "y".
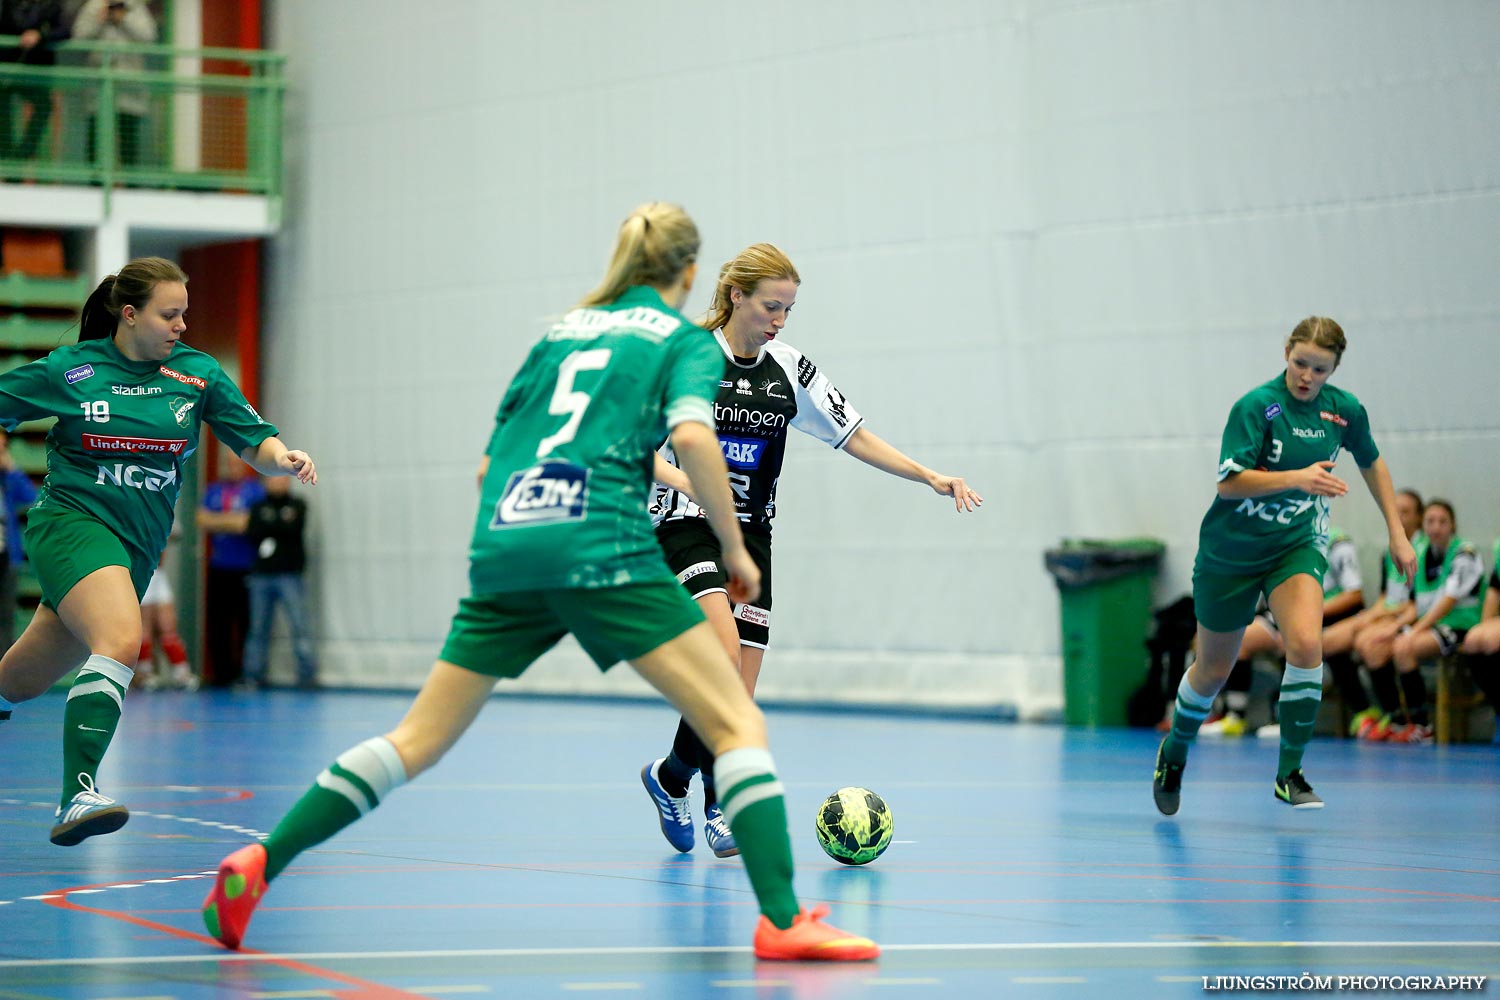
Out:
{"x": 566, "y": 399}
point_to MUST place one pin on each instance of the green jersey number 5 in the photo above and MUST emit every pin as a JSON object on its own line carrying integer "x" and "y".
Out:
{"x": 566, "y": 399}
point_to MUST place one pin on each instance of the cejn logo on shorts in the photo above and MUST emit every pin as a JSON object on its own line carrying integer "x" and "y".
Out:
{"x": 543, "y": 494}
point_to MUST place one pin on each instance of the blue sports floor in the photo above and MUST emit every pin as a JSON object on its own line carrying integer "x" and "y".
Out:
{"x": 1028, "y": 861}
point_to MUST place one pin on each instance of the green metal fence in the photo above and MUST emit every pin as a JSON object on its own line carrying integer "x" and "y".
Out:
{"x": 198, "y": 119}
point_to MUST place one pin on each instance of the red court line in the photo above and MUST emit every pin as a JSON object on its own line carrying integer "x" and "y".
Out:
{"x": 362, "y": 989}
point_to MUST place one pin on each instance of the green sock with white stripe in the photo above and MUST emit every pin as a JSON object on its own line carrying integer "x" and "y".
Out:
{"x": 752, "y": 799}
{"x": 1192, "y": 708}
{"x": 353, "y": 785}
{"x": 90, "y": 718}
{"x": 1301, "y": 693}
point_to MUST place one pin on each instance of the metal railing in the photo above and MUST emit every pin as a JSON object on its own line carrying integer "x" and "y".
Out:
{"x": 197, "y": 119}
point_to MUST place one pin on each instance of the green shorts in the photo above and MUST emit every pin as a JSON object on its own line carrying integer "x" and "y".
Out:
{"x": 500, "y": 635}
{"x": 64, "y": 546}
{"x": 1225, "y": 602}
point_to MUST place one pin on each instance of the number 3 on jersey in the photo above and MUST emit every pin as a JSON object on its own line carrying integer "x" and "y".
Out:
{"x": 566, "y": 399}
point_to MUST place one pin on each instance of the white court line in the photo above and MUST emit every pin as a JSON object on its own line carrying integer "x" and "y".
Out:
{"x": 331, "y": 956}
{"x": 592, "y": 987}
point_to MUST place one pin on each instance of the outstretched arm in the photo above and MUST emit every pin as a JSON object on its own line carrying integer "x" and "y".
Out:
{"x": 884, "y": 456}
{"x": 272, "y": 458}
{"x": 1378, "y": 478}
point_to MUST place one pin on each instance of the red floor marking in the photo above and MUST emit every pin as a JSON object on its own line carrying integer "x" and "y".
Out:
{"x": 230, "y": 795}
{"x": 362, "y": 989}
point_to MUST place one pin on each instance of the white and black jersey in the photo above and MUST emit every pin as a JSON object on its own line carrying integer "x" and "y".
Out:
{"x": 756, "y": 404}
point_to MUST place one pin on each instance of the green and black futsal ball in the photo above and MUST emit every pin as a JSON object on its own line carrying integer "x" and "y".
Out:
{"x": 854, "y": 826}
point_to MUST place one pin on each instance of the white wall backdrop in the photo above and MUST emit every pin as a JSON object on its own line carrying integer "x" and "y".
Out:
{"x": 1043, "y": 244}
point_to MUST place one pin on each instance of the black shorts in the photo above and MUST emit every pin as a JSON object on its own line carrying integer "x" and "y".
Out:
{"x": 692, "y": 551}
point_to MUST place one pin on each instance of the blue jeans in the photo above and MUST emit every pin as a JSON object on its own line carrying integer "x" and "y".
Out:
{"x": 266, "y": 591}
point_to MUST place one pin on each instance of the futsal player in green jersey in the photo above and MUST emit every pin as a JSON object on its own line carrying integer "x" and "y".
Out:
{"x": 1481, "y": 648}
{"x": 1267, "y": 532}
{"x": 563, "y": 543}
{"x": 129, "y": 399}
{"x": 1447, "y": 597}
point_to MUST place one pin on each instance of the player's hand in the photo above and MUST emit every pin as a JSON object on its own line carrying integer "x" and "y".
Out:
{"x": 964, "y": 498}
{"x": 744, "y": 575}
{"x": 300, "y": 464}
{"x": 1318, "y": 480}
{"x": 1404, "y": 556}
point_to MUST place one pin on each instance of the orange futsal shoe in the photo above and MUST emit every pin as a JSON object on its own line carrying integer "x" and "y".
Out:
{"x": 811, "y": 940}
{"x": 237, "y": 890}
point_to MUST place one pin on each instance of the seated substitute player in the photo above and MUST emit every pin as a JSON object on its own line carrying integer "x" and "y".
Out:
{"x": 1448, "y": 594}
{"x": 1395, "y": 601}
{"x": 1267, "y": 533}
{"x": 1343, "y": 597}
{"x": 562, "y": 543}
{"x": 768, "y": 386}
{"x": 130, "y": 400}
{"x": 1481, "y": 646}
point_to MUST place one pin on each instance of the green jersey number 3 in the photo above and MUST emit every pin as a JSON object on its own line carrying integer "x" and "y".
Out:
{"x": 570, "y": 401}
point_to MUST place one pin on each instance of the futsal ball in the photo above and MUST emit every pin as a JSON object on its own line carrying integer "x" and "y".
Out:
{"x": 854, "y": 826}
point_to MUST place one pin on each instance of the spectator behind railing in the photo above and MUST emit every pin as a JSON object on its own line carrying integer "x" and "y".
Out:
{"x": 118, "y": 21}
{"x": 40, "y": 25}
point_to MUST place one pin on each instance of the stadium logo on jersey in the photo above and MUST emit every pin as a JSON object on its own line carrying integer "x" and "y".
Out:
{"x": 180, "y": 410}
{"x": 836, "y": 404}
{"x": 742, "y": 386}
{"x": 185, "y": 379}
{"x": 543, "y": 494}
{"x": 1280, "y": 511}
{"x": 115, "y": 442}
{"x": 78, "y": 374}
{"x": 1273, "y": 411}
{"x": 1333, "y": 418}
{"x": 742, "y": 453}
{"x": 806, "y": 372}
{"x": 1307, "y": 432}
{"x": 136, "y": 477}
{"x": 136, "y": 390}
{"x": 746, "y": 417}
{"x": 769, "y": 388}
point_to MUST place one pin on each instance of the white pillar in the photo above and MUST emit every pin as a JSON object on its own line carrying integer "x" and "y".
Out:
{"x": 187, "y": 105}
{"x": 111, "y": 248}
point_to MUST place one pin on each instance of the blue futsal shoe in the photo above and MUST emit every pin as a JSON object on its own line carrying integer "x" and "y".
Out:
{"x": 717, "y": 835}
{"x": 675, "y": 814}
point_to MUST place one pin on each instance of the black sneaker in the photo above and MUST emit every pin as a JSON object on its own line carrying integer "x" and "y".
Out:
{"x": 1166, "y": 785}
{"x": 1296, "y": 792}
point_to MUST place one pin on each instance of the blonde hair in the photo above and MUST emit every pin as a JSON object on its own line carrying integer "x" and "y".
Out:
{"x": 752, "y": 265}
{"x": 655, "y": 244}
{"x": 131, "y": 287}
{"x": 1320, "y": 331}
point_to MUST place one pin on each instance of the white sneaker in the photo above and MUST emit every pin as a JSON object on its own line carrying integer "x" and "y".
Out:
{"x": 183, "y": 678}
{"x": 1269, "y": 732}
{"x": 88, "y": 814}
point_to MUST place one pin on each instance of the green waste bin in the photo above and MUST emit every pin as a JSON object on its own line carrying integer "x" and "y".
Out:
{"x": 1105, "y": 587}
